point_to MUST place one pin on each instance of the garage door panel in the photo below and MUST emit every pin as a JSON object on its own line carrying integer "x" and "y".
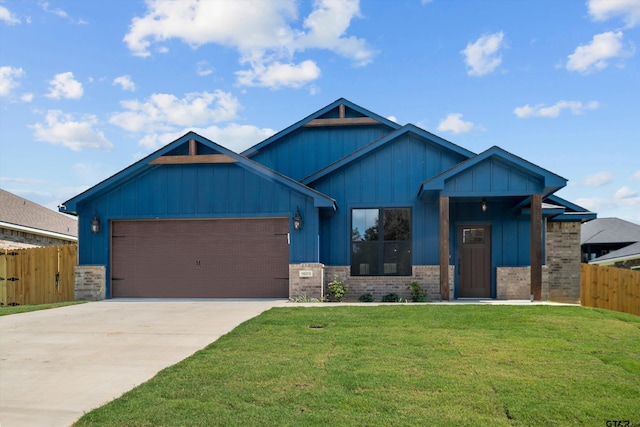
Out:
{"x": 232, "y": 258}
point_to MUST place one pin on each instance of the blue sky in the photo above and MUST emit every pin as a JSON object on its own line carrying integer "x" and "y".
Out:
{"x": 89, "y": 87}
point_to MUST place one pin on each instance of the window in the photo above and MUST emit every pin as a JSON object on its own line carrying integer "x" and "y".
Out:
{"x": 381, "y": 242}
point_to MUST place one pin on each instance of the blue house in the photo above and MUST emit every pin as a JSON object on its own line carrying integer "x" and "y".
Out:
{"x": 342, "y": 193}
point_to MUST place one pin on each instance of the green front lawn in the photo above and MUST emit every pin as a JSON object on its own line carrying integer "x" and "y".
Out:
{"x": 401, "y": 365}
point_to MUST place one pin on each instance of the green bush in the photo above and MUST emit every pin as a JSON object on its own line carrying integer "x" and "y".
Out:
{"x": 337, "y": 289}
{"x": 418, "y": 293}
{"x": 366, "y": 298}
{"x": 392, "y": 297}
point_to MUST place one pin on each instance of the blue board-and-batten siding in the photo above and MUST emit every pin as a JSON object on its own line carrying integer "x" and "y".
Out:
{"x": 389, "y": 176}
{"x": 308, "y": 150}
{"x": 492, "y": 177}
{"x": 198, "y": 191}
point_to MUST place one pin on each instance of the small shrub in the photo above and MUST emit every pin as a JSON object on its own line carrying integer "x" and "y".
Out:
{"x": 392, "y": 297}
{"x": 337, "y": 289}
{"x": 366, "y": 298}
{"x": 418, "y": 293}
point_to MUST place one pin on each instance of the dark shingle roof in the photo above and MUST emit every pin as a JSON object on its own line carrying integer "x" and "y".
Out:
{"x": 609, "y": 230}
{"x": 17, "y": 211}
{"x": 628, "y": 251}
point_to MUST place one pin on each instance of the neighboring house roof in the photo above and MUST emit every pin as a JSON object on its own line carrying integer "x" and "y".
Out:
{"x": 627, "y": 253}
{"x": 364, "y": 115}
{"x": 21, "y": 214}
{"x": 178, "y": 147}
{"x": 609, "y": 230}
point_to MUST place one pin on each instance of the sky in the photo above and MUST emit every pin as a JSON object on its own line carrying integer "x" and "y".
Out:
{"x": 87, "y": 88}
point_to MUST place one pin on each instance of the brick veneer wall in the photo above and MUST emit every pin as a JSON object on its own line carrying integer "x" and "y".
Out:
{"x": 563, "y": 260}
{"x": 427, "y": 275}
{"x": 515, "y": 283}
{"x": 15, "y": 239}
{"x": 312, "y": 287}
{"x": 90, "y": 283}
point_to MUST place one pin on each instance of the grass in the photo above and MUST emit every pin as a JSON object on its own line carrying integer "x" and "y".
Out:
{"x": 400, "y": 366}
{"x": 15, "y": 309}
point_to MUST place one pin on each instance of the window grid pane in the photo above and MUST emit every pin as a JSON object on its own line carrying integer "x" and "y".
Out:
{"x": 381, "y": 242}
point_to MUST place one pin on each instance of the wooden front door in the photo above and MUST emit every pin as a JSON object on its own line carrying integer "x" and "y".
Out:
{"x": 474, "y": 261}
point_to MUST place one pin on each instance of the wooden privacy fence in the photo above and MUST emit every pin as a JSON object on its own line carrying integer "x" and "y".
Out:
{"x": 611, "y": 288}
{"x": 37, "y": 275}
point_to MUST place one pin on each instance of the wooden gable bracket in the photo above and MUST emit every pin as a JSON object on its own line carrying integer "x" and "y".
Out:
{"x": 193, "y": 157}
{"x": 342, "y": 120}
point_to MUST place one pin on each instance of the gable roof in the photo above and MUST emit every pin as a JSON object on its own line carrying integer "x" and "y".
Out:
{"x": 627, "y": 253}
{"x": 406, "y": 129}
{"x": 549, "y": 182}
{"x": 337, "y": 113}
{"x": 21, "y": 214}
{"x": 609, "y": 230}
{"x": 176, "y": 152}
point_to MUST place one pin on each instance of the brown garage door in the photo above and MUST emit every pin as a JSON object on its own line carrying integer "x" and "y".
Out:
{"x": 221, "y": 258}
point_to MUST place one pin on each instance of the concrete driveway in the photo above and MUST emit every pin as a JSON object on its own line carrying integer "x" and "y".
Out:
{"x": 55, "y": 365}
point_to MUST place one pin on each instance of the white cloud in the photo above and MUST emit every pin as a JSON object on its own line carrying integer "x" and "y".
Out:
{"x": 596, "y": 55}
{"x": 164, "y": 112}
{"x": 26, "y": 97}
{"x": 454, "y": 123}
{"x": 327, "y": 25}
{"x": 626, "y": 193}
{"x": 204, "y": 69}
{"x": 233, "y": 136}
{"x": 64, "y": 85}
{"x": 540, "y": 110}
{"x": 636, "y": 176}
{"x": 7, "y": 17}
{"x": 602, "y": 10}
{"x": 595, "y": 204}
{"x": 598, "y": 179}
{"x": 393, "y": 119}
{"x": 58, "y": 12}
{"x": 125, "y": 83}
{"x": 63, "y": 129}
{"x": 482, "y": 56}
{"x": 263, "y": 33}
{"x": 276, "y": 75}
{"x": 8, "y": 79}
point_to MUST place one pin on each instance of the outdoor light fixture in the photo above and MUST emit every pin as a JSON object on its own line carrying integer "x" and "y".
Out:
{"x": 297, "y": 220}
{"x": 95, "y": 223}
{"x": 483, "y": 206}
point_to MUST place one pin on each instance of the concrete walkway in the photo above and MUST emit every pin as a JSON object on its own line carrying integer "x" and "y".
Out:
{"x": 55, "y": 365}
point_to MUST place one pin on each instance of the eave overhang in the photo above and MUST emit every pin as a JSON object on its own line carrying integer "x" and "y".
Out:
{"x": 498, "y": 168}
{"x": 315, "y": 120}
{"x": 163, "y": 157}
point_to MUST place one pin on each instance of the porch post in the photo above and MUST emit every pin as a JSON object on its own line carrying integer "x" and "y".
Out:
{"x": 444, "y": 247}
{"x": 536, "y": 246}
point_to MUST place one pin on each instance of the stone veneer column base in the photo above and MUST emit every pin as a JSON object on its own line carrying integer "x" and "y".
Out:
{"x": 306, "y": 280}
{"x": 563, "y": 259}
{"x": 90, "y": 282}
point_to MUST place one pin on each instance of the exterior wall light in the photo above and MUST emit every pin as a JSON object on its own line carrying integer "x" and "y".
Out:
{"x": 95, "y": 223}
{"x": 483, "y": 206}
{"x": 297, "y": 220}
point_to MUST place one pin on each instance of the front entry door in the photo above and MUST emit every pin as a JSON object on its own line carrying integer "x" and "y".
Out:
{"x": 474, "y": 261}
